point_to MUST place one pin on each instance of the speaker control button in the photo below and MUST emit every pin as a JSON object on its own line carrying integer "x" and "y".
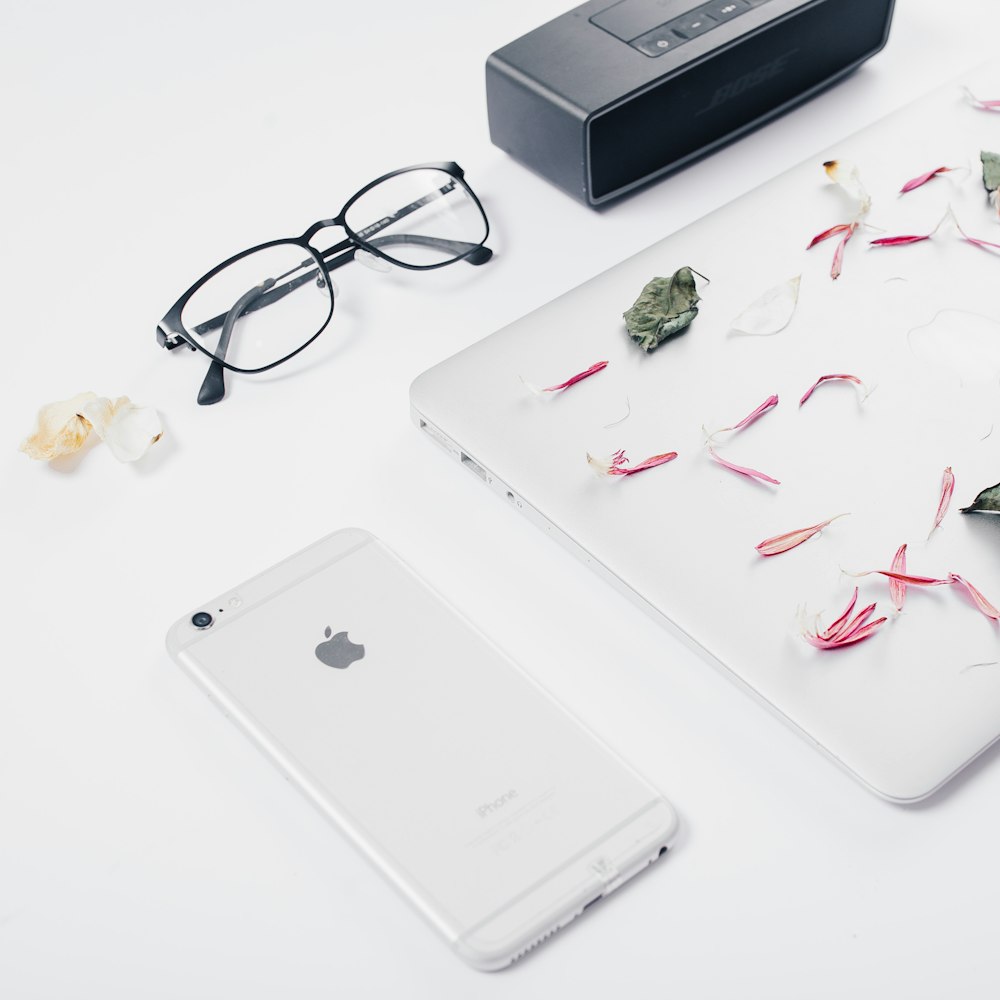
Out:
{"x": 657, "y": 42}
{"x": 724, "y": 10}
{"x": 692, "y": 25}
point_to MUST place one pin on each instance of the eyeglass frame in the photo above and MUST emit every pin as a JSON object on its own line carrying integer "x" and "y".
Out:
{"x": 171, "y": 333}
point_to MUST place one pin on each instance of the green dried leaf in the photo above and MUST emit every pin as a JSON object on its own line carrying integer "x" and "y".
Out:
{"x": 665, "y": 307}
{"x": 988, "y": 502}
{"x": 991, "y": 170}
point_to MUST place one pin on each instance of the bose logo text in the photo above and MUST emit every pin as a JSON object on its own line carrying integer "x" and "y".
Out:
{"x": 743, "y": 83}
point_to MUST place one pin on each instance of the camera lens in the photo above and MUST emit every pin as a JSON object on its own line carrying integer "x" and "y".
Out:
{"x": 201, "y": 619}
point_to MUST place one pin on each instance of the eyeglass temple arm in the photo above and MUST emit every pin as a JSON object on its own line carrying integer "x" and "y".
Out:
{"x": 214, "y": 387}
{"x": 476, "y": 254}
{"x": 402, "y": 213}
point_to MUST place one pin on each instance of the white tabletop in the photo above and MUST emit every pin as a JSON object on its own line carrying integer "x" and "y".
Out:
{"x": 146, "y": 849}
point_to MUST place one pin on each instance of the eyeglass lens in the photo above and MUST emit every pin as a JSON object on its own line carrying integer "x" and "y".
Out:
{"x": 419, "y": 217}
{"x": 280, "y": 298}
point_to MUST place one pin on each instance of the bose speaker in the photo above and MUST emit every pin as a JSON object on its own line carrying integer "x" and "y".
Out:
{"x": 609, "y": 96}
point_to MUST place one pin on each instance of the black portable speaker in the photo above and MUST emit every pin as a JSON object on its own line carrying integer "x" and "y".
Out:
{"x": 609, "y": 96}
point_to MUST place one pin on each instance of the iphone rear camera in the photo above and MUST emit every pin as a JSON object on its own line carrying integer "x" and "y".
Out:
{"x": 201, "y": 619}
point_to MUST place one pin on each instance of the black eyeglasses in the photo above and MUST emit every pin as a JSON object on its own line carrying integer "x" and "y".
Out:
{"x": 418, "y": 217}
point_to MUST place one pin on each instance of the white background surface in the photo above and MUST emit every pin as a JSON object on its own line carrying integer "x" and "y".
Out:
{"x": 146, "y": 850}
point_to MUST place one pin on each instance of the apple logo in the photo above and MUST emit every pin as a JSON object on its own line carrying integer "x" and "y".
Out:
{"x": 338, "y": 651}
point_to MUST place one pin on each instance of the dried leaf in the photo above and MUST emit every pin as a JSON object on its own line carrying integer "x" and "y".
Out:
{"x": 920, "y": 181}
{"x": 572, "y": 380}
{"x": 830, "y": 378}
{"x": 618, "y": 464}
{"x": 742, "y": 470}
{"x": 947, "y": 488}
{"x": 664, "y": 308}
{"x": 771, "y": 313}
{"x": 988, "y": 502}
{"x": 845, "y": 631}
{"x": 128, "y": 430}
{"x": 782, "y": 543}
{"x": 991, "y": 170}
{"x": 897, "y": 588}
{"x": 60, "y": 429}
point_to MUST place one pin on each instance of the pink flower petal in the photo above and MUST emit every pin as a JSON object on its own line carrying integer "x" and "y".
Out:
{"x": 616, "y": 465}
{"x": 829, "y": 378}
{"x": 857, "y": 624}
{"x": 843, "y": 632}
{"x": 983, "y": 244}
{"x": 742, "y": 470}
{"x": 982, "y": 105}
{"x": 947, "y": 488}
{"x": 840, "y": 625}
{"x": 782, "y": 543}
{"x": 838, "y": 257}
{"x": 898, "y": 241}
{"x": 768, "y": 404}
{"x": 858, "y": 636}
{"x": 897, "y": 588}
{"x": 978, "y": 599}
{"x": 827, "y": 233}
{"x": 920, "y": 181}
{"x": 579, "y": 377}
{"x": 949, "y": 216}
{"x": 651, "y": 463}
{"x": 845, "y": 626}
{"x": 930, "y": 581}
{"x": 908, "y": 578}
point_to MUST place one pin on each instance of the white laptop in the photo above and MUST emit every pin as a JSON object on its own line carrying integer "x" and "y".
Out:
{"x": 907, "y": 708}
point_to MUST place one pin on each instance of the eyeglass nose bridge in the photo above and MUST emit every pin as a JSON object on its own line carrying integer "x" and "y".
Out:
{"x": 318, "y": 227}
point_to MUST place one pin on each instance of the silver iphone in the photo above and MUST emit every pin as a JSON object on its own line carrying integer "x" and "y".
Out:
{"x": 478, "y": 796}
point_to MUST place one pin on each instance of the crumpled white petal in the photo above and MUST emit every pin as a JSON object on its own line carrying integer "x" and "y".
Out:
{"x": 846, "y": 175}
{"x": 772, "y": 312}
{"x": 59, "y": 429}
{"x": 128, "y": 430}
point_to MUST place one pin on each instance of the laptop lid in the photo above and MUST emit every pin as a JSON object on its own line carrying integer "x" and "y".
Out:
{"x": 917, "y": 323}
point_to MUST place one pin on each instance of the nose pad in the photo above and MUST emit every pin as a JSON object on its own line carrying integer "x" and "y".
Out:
{"x": 321, "y": 284}
{"x": 370, "y": 260}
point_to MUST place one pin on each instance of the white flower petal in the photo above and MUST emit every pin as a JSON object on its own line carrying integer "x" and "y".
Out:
{"x": 59, "y": 429}
{"x": 599, "y": 466}
{"x": 770, "y": 313}
{"x": 128, "y": 430}
{"x": 846, "y": 175}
